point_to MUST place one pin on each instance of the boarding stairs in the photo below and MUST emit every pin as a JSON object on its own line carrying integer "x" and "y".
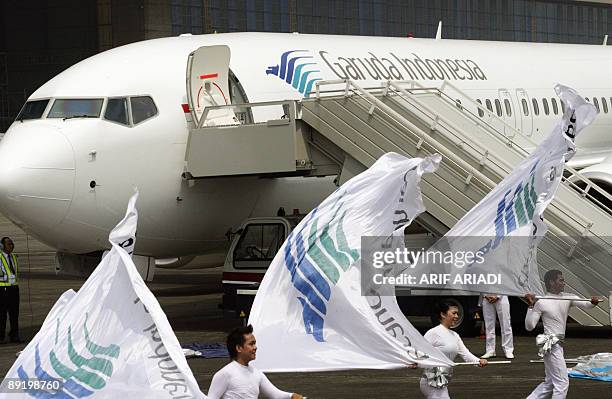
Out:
{"x": 342, "y": 128}
{"x": 477, "y": 152}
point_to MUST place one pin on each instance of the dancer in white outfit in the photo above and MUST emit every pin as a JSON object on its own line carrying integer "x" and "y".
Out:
{"x": 434, "y": 381}
{"x": 497, "y": 305}
{"x": 238, "y": 380}
{"x": 554, "y": 317}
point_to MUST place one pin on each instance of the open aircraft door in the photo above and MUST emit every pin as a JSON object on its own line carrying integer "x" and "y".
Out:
{"x": 218, "y": 144}
{"x": 207, "y": 86}
{"x": 525, "y": 111}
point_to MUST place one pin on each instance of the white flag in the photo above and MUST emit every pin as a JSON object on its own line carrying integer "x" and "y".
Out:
{"x": 109, "y": 340}
{"x": 493, "y": 248}
{"x": 309, "y": 313}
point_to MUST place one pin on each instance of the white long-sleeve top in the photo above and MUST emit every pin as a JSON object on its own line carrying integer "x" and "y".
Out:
{"x": 449, "y": 343}
{"x": 235, "y": 381}
{"x": 553, "y": 313}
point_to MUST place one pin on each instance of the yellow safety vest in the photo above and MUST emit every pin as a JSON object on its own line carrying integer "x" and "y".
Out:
{"x": 8, "y": 279}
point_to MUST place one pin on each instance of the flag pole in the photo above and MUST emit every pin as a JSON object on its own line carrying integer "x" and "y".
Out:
{"x": 600, "y": 299}
{"x": 478, "y": 363}
{"x": 566, "y": 361}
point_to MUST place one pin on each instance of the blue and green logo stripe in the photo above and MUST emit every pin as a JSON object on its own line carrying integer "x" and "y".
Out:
{"x": 322, "y": 254}
{"x": 84, "y": 376}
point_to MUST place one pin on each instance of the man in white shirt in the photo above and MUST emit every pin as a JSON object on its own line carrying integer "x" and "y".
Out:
{"x": 239, "y": 380}
{"x": 554, "y": 317}
{"x": 493, "y": 305}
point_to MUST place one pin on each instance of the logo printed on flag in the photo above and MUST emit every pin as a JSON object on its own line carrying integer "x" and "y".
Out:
{"x": 318, "y": 263}
{"x": 515, "y": 209}
{"x": 142, "y": 355}
{"x": 86, "y": 374}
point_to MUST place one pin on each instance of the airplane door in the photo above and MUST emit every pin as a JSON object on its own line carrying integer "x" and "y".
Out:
{"x": 207, "y": 84}
{"x": 525, "y": 112}
{"x": 508, "y": 111}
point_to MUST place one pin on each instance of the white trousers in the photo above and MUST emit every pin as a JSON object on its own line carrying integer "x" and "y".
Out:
{"x": 556, "y": 382}
{"x": 432, "y": 392}
{"x": 501, "y": 308}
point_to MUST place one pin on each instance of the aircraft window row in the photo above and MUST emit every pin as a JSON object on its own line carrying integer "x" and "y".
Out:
{"x": 507, "y": 106}
{"x": 548, "y": 106}
{"x": 604, "y": 104}
{"x": 548, "y": 109}
{"x": 76, "y": 108}
{"x": 32, "y": 110}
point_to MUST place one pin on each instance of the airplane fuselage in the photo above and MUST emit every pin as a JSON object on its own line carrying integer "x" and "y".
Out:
{"x": 67, "y": 180}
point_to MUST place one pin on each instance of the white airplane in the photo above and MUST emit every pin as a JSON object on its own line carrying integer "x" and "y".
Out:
{"x": 117, "y": 120}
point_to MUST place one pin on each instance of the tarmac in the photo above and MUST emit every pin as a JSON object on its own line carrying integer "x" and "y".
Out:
{"x": 190, "y": 299}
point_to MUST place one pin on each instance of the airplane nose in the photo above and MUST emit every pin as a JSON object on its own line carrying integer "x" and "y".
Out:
{"x": 37, "y": 173}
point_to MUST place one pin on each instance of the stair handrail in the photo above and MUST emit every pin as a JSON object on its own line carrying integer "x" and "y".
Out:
{"x": 574, "y": 174}
{"x": 423, "y": 138}
{"x": 351, "y": 86}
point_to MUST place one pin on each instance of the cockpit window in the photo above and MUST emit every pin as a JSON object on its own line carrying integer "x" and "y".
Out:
{"x": 143, "y": 108}
{"x": 32, "y": 110}
{"x": 76, "y": 108}
{"x": 117, "y": 111}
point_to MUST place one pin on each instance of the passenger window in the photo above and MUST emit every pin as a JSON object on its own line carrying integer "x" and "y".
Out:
{"x": 508, "y": 108}
{"x": 32, "y": 110}
{"x": 562, "y": 106}
{"x": 498, "y": 107}
{"x": 596, "y": 103}
{"x": 143, "y": 108}
{"x": 258, "y": 245}
{"x": 604, "y": 104}
{"x": 116, "y": 110}
{"x": 553, "y": 101}
{"x": 76, "y": 108}
{"x": 525, "y": 107}
{"x": 536, "y": 108}
{"x": 488, "y": 104}
{"x": 480, "y": 111}
{"x": 545, "y": 105}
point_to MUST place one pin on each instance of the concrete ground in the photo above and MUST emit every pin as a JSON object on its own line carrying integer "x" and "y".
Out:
{"x": 190, "y": 299}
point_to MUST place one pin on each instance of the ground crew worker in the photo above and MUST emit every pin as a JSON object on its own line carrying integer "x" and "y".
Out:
{"x": 9, "y": 290}
{"x": 554, "y": 317}
{"x": 239, "y": 380}
{"x": 493, "y": 305}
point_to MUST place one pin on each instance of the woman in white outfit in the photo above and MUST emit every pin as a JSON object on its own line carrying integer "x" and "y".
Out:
{"x": 434, "y": 381}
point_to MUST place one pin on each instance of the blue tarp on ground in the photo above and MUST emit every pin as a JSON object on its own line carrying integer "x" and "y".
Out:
{"x": 593, "y": 367}
{"x": 208, "y": 351}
